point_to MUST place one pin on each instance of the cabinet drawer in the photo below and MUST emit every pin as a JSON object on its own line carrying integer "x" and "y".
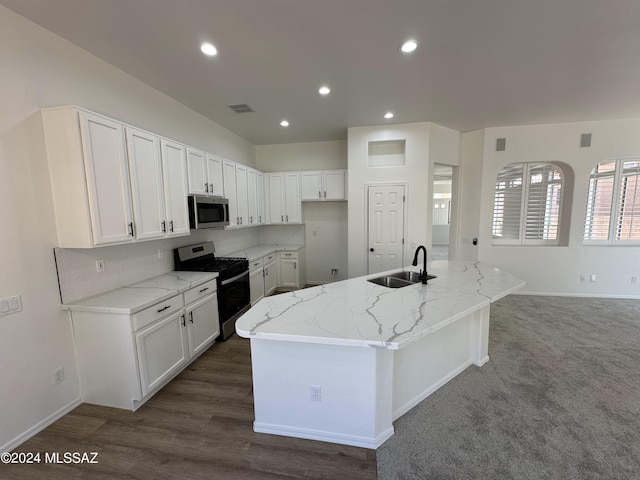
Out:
{"x": 158, "y": 311}
{"x": 269, "y": 258}
{"x": 289, "y": 255}
{"x": 256, "y": 264}
{"x": 200, "y": 291}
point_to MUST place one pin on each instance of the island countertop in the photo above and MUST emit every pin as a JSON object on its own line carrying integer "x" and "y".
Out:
{"x": 356, "y": 312}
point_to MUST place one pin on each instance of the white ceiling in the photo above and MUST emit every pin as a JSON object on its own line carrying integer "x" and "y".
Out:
{"x": 480, "y": 63}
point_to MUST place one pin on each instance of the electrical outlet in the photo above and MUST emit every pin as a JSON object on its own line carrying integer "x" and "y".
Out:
{"x": 315, "y": 393}
{"x": 334, "y": 272}
{"x": 592, "y": 278}
{"x": 634, "y": 279}
{"x": 58, "y": 376}
{"x": 582, "y": 278}
{"x": 99, "y": 266}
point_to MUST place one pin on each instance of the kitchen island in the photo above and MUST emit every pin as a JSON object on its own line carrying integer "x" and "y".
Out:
{"x": 339, "y": 362}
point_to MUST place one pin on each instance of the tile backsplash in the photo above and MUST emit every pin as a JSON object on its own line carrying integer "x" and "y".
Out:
{"x": 134, "y": 262}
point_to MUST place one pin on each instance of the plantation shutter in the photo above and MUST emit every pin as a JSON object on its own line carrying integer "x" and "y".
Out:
{"x": 543, "y": 202}
{"x": 507, "y": 204}
{"x": 628, "y": 221}
{"x": 600, "y": 202}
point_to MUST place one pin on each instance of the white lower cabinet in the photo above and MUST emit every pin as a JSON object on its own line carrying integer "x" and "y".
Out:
{"x": 270, "y": 274}
{"x": 256, "y": 280}
{"x": 291, "y": 269}
{"x": 124, "y": 359}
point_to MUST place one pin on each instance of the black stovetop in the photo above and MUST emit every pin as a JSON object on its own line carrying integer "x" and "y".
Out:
{"x": 195, "y": 258}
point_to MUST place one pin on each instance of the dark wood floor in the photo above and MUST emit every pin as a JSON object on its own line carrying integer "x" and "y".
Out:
{"x": 197, "y": 427}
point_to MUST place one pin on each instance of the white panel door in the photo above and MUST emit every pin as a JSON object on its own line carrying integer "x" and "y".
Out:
{"x": 385, "y": 227}
{"x": 197, "y": 172}
{"x": 147, "y": 190}
{"x": 174, "y": 170}
{"x": 108, "y": 187}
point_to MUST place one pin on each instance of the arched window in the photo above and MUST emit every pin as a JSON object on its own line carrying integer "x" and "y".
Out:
{"x": 613, "y": 203}
{"x": 527, "y": 204}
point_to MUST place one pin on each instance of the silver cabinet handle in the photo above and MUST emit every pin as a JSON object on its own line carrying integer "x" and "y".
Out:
{"x": 319, "y": 196}
{"x": 184, "y": 322}
{"x": 191, "y": 317}
{"x": 295, "y": 265}
{"x": 163, "y": 309}
{"x": 131, "y": 229}
{"x": 204, "y": 289}
{"x": 171, "y": 225}
{"x": 164, "y": 226}
{"x": 325, "y": 194}
{"x": 282, "y": 218}
{"x": 206, "y": 187}
{"x": 287, "y": 218}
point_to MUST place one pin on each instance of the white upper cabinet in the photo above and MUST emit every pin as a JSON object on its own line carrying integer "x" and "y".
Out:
{"x": 205, "y": 173}
{"x": 145, "y": 168}
{"x": 252, "y": 196}
{"x": 283, "y": 194}
{"x": 260, "y": 198}
{"x": 111, "y": 183}
{"x": 174, "y": 170}
{"x": 214, "y": 184}
{"x": 323, "y": 185}
{"x": 242, "y": 197}
{"x": 231, "y": 191}
{"x": 89, "y": 178}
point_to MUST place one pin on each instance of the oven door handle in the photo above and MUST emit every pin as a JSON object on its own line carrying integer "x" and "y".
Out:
{"x": 229, "y": 280}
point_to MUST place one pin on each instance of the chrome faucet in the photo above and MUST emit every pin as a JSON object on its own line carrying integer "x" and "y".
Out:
{"x": 423, "y": 272}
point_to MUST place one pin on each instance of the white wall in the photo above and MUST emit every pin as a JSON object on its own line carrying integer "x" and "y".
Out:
{"x": 557, "y": 270}
{"x": 470, "y": 178}
{"x": 426, "y": 143}
{"x": 325, "y": 222}
{"x": 40, "y": 70}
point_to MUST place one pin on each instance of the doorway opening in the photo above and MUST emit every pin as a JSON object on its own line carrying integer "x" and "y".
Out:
{"x": 441, "y": 212}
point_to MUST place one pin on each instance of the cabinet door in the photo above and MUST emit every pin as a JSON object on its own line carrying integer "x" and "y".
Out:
{"x": 252, "y": 196}
{"x": 260, "y": 200}
{"x": 269, "y": 278}
{"x": 147, "y": 191}
{"x": 289, "y": 273}
{"x": 242, "y": 194}
{"x": 214, "y": 171}
{"x": 174, "y": 171}
{"x": 256, "y": 285}
{"x": 107, "y": 173}
{"x": 203, "y": 324}
{"x": 334, "y": 185}
{"x": 276, "y": 197}
{"x": 162, "y": 351}
{"x": 197, "y": 167}
{"x": 293, "y": 208}
{"x": 231, "y": 190}
{"x": 311, "y": 186}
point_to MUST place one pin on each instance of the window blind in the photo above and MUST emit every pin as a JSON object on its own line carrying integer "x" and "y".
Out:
{"x": 628, "y": 221}
{"x": 507, "y": 204}
{"x": 543, "y": 202}
{"x": 600, "y": 201}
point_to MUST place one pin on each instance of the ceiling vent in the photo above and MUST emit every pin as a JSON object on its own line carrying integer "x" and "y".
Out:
{"x": 585, "y": 140}
{"x": 241, "y": 108}
{"x": 501, "y": 144}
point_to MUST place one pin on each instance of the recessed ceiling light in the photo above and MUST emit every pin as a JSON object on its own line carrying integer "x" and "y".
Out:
{"x": 284, "y": 123}
{"x": 208, "y": 49}
{"x": 388, "y": 115}
{"x": 324, "y": 90}
{"x": 408, "y": 46}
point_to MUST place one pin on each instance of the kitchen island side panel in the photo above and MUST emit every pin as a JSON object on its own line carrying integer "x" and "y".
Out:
{"x": 355, "y": 399}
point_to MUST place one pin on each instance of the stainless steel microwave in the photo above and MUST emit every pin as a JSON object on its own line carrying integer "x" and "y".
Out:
{"x": 208, "y": 212}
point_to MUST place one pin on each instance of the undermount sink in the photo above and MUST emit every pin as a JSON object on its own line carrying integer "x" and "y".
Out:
{"x": 399, "y": 279}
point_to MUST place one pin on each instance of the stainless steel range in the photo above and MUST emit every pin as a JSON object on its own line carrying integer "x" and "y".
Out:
{"x": 233, "y": 280}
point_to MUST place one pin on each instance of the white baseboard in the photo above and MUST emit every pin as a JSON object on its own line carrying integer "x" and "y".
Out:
{"x": 38, "y": 427}
{"x": 322, "y": 436}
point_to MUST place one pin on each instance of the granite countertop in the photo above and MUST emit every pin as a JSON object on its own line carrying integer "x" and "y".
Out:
{"x": 359, "y": 313}
{"x": 259, "y": 251}
{"x": 138, "y": 296}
